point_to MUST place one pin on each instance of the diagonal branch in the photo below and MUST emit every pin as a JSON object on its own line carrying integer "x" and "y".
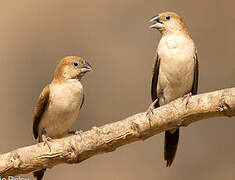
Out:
{"x": 107, "y": 138}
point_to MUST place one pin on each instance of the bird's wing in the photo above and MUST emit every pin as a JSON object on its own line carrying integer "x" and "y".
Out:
{"x": 83, "y": 99}
{"x": 195, "y": 79}
{"x": 155, "y": 79}
{"x": 40, "y": 108}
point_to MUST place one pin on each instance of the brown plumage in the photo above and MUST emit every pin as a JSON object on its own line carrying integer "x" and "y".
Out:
{"x": 59, "y": 102}
{"x": 175, "y": 70}
{"x": 40, "y": 109}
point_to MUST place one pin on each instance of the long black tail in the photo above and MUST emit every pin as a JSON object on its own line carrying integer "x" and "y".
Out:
{"x": 39, "y": 174}
{"x": 171, "y": 143}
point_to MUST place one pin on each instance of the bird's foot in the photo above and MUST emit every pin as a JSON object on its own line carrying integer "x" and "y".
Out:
{"x": 46, "y": 140}
{"x": 187, "y": 97}
{"x": 150, "y": 110}
{"x": 76, "y": 132}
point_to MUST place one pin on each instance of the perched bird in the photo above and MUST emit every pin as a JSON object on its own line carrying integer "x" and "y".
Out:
{"x": 59, "y": 102}
{"x": 175, "y": 71}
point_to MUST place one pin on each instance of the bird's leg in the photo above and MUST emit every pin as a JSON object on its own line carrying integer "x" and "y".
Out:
{"x": 46, "y": 138}
{"x": 76, "y": 132}
{"x": 187, "y": 97}
{"x": 151, "y": 108}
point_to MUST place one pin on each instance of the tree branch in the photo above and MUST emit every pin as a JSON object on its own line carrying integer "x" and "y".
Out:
{"x": 74, "y": 149}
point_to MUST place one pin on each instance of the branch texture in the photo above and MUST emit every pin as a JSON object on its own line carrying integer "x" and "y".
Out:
{"x": 75, "y": 149}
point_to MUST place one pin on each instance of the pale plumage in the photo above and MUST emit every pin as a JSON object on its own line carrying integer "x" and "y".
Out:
{"x": 58, "y": 118}
{"x": 175, "y": 70}
{"x": 59, "y": 103}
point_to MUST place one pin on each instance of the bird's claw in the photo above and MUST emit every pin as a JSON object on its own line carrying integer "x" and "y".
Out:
{"x": 46, "y": 140}
{"x": 187, "y": 97}
{"x": 150, "y": 110}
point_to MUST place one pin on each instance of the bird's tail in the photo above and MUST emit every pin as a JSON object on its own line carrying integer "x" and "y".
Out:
{"x": 171, "y": 143}
{"x": 39, "y": 174}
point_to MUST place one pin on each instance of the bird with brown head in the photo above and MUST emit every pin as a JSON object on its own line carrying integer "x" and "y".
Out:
{"x": 175, "y": 70}
{"x": 60, "y": 102}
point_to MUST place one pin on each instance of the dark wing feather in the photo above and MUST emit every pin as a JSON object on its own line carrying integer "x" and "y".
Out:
{"x": 40, "y": 108}
{"x": 155, "y": 80}
{"x": 195, "y": 80}
{"x": 83, "y": 99}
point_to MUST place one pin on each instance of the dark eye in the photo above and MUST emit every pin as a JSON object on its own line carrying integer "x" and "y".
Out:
{"x": 168, "y": 17}
{"x": 75, "y": 64}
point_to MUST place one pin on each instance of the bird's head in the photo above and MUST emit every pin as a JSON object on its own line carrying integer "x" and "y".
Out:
{"x": 72, "y": 68}
{"x": 168, "y": 22}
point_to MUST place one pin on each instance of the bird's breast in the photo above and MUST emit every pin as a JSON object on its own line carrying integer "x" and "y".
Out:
{"x": 63, "y": 108}
{"x": 66, "y": 97}
{"x": 176, "y": 71}
{"x": 176, "y": 53}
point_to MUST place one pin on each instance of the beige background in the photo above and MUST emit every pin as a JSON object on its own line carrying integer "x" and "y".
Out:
{"x": 113, "y": 36}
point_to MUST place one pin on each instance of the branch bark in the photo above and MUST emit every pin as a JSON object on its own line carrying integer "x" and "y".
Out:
{"x": 75, "y": 149}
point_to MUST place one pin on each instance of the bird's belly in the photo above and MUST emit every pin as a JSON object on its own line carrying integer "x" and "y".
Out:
{"x": 175, "y": 78}
{"x": 57, "y": 124}
{"x": 62, "y": 111}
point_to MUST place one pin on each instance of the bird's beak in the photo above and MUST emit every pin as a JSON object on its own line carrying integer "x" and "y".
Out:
{"x": 86, "y": 67}
{"x": 158, "y": 24}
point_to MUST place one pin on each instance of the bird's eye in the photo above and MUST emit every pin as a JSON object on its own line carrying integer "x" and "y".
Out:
{"x": 168, "y": 17}
{"x": 75, "y": 64}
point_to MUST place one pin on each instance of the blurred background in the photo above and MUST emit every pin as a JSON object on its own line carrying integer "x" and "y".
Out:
{"x": 115, "y": 39}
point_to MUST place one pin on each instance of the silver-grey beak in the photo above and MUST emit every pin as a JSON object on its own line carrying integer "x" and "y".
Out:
{"x": 155, "y": 18}
{"x": 86, "y": 67}
{"x": 158, "y": 24}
